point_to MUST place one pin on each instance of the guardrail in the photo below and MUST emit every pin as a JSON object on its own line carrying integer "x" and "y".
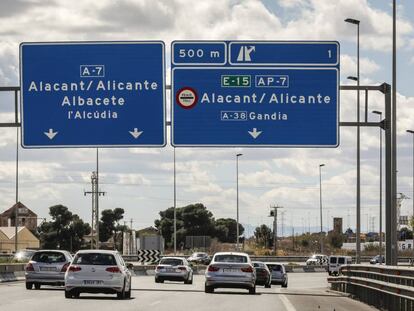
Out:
{"x": 386, "y": 287}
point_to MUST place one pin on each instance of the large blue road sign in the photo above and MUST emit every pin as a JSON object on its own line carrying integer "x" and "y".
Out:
{"x": 93, "y": 94}
{"x": 255, "y": 93}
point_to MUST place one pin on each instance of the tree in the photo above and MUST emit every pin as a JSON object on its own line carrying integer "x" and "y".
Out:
{"x": 109, "y": 223}
{"x": 226, "y": 230}
{"x": 263, "y": 235}
{"x": 64, "y": 231}
{"x": 336, "y": 239}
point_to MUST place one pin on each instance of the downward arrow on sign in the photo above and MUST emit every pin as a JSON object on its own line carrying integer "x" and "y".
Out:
{"x": 255, "y": 133}
{"x": 136, "y": 133}
{"x": 50, "y": 134}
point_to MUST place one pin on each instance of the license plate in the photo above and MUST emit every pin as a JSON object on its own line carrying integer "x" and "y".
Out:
{"x": 170, "y": 270}
{"x": 92, "y": 282}
{"x": 47, "y": 269}
{"x": 231, "y": 270}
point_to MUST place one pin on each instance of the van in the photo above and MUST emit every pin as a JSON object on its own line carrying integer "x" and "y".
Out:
{"x": 335, "y": 262}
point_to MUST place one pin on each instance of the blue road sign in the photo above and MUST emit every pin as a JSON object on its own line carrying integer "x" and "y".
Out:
{"x": 257, "y": 94}
{"x": 93, "y": 94}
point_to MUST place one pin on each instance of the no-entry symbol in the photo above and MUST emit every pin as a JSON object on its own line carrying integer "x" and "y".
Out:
{"x": 186, "y": 97}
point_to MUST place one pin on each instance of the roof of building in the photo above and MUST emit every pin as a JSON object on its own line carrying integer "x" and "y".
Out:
{"x": 10, "y": 211}
{"x": 10, "y": 231}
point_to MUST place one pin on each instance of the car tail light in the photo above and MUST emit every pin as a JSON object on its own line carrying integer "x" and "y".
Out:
{"x": 158, "y": 268}
{"x": 247, "y": 269}
{"x": 65, "y": 267}
{"x": 213, "y": 269}
{"x": 74, "y": 268}
{"x": 182, "y": 268}
{"x": 29, "y": 267}
{"x": 113, "y": 270}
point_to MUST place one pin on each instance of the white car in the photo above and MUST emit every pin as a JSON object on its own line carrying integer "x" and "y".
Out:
{"x": 98, "y": 271}
{"x": 173, "y": 269}
{"x": 317, "y": 260}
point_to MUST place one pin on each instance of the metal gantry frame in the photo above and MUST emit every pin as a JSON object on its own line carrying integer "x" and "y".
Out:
{"x": 388, "y": 125}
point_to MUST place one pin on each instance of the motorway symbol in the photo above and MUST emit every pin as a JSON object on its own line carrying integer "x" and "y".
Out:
{"x": 255, "y": 94}
{"x": 93, "y": 94}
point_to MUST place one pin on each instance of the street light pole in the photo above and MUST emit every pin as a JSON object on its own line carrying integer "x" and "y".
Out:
{"x": 380, "y": 199}
{"x": 412, "y": 196}
{"x": 175, "y": 207}
{"x": 320, "y": 204}
{"x": 237, "y": 199}
{"x": 358, "y": 186}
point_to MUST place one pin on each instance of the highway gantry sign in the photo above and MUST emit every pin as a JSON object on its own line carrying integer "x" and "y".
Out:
{"x": 255, "y": 93}
{"x": 93, "y": 94}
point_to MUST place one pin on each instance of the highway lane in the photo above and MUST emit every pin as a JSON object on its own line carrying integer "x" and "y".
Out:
{"x": 306, "y": 291}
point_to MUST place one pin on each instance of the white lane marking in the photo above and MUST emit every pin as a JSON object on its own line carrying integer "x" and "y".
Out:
{"x": 288, "y": 305}
{"x": 155, "y": 303}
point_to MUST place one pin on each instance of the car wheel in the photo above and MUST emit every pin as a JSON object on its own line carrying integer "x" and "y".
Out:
{"x": 128, "y": 293}
{"x": 29, "y": 285}
{"x": 76, "y": 294}
{"x": 268, "y": 285}
{"x": 157, "y": 280}
{"x": 121, "y": 295}
{"x": 208, "y": 289}
{"x": 285, "y": 285}
{"x": 68, "y": 294}
{"x": 37, "y": 286}
{"x": 252, "y": 290}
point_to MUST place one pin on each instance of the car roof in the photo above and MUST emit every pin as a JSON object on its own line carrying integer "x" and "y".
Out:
{"x": 231, "y": 253}
{"x": 172, "y": 257}
{"x": 97, "y": 251}
{"x": 274, "y": 263}
{"x": 52, "y": 250}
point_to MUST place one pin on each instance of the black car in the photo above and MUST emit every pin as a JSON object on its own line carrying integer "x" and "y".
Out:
{"x": 377, "y": 259}
{"x": 263, "y": 275}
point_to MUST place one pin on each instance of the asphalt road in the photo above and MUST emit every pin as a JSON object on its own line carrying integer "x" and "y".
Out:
{"x": 306, "y": 291}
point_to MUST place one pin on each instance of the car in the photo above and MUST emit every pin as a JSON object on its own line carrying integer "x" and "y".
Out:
{"x": 377, "y": 259}
{"x": 173, "y": 269}
{"x": 98, "y": 271}
{"x": 335, "y": 262}
{"x": 199, "y": 258}
{"x": 23, "y": 255}
{"x": 279, "y": 275}
{"x": 263, "y": 275}
{"x": 47, "y": 267}
{"x": 230, "y": 270}
{"x": 317, "y": 260}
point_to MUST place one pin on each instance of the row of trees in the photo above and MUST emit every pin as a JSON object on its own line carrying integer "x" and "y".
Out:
{"x": 66, "y": 230}
{"x": 196, "y": 220}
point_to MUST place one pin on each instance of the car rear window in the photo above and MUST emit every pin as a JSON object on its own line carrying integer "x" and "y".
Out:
{"x": 258, "y": 265}
{"x": 333, "y": 260}
{"x": 49, "y": 257}
{"x": 95, "y": 259}
{"x": 171, "y": 262}
{"x": 275, "y": 267}
{"x": 231, "y": 258}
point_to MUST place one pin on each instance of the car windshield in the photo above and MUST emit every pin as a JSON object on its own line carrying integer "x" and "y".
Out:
{"x": 341, "y": 260}
{"x": 258, "y": 265}
{"x": 200, "y": 255}
{"x": 231, "y": 258}
{"x": 171, "y": 262}
{"x": 49, "y": 257}
{"x": 333, "y": 260}
{"x": 95, "y": 259}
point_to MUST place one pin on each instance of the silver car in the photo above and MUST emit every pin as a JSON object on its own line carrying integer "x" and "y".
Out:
{"x": 47, "y": 267}
{"x": 174, "y": 269}
{"x": 98, "y": 271}
{"x": 230, "y": 270}
{"x": 279, "y": 275}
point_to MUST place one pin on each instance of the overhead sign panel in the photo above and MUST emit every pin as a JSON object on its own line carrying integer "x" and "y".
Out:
{"x": 255, "y": 93}
{"x": 93, "y": 94}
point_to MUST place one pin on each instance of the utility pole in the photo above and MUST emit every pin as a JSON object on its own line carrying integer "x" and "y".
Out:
{"x": 95, "y": 193}
{"x": 273, "y": 213}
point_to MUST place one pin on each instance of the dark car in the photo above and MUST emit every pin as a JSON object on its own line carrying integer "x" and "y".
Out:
{"x": 199, "y": 258}
{"x": 263, "y": 275}
{"x": 377, "y": 259}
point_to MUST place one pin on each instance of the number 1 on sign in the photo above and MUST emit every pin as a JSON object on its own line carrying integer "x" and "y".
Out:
{"x": 329, "y": 53}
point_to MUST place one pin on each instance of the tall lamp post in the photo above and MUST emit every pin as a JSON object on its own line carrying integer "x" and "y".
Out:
{"x": 358, "y": 190}
{"x": 320, "y": 203}
{"x": 237, "y": 199}
{"x": 412, "y": 132}
{"x": 380, "y": 199}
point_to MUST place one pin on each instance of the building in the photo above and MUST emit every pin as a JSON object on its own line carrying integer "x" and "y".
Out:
{"x": 337, "y": 225}
{"x": 25, "y": 239}
{"x": 26, "y": 217}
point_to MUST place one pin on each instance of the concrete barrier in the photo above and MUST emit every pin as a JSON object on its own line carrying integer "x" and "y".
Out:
{"x": 11, "y": 272}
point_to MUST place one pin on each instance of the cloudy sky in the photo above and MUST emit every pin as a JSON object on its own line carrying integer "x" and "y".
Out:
{"x": 141, "y": 180}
